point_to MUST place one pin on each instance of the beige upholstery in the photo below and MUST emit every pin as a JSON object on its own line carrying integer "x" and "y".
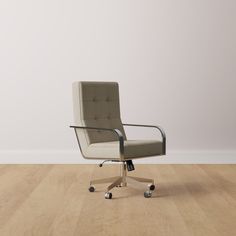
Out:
{"x": 133, "y": 149}
{"x": 96, "y": 104}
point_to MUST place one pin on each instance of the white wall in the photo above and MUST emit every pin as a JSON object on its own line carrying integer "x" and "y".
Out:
{"x": 175, "y": 62}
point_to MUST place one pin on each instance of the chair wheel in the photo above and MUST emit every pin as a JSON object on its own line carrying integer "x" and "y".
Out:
{"x": 91, "y": 189}
{"x": 147, "y": 194}
{"x": 108, "y": 195}
{"x": 151, "y": 187}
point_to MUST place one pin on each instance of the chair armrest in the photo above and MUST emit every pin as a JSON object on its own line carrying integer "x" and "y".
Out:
{"x": 156, "y": 127}
{"x": 116, "y": 131}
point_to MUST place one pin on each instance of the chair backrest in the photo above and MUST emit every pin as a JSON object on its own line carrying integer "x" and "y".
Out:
{"x": 96, "y": 104}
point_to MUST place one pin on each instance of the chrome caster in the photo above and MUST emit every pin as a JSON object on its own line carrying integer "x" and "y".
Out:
{"x": 108, "y": 195}
{"x": 151, "y": 187}
{"x": 147, "y": 194}
{"x": 91, "y": 189}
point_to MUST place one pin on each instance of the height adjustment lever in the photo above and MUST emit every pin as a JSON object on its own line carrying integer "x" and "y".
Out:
{"x": 101, "y": 164}
{"x": 130, "y": 165}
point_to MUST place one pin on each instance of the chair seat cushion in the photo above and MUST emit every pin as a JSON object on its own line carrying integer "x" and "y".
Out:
{"x": 132, "y": 149}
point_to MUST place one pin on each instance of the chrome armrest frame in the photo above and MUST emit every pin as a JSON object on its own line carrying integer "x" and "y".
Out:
{"x": 116, "y": 131}
{"x": 156, "y": 127}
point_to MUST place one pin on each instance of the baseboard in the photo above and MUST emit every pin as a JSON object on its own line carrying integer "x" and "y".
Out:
{"x": 74, "y": 157}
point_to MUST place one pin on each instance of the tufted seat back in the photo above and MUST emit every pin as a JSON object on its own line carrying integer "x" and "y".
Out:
{"x": 96, "y": 104}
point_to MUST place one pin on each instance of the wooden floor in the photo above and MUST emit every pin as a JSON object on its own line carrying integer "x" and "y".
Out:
{"x": 54, "y": 200}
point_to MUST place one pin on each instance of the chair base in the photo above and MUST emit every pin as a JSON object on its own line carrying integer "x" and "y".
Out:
{"x": 123, "y": 180}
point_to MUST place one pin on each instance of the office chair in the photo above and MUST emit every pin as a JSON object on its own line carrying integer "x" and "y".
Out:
{"x": 101, "y": 135}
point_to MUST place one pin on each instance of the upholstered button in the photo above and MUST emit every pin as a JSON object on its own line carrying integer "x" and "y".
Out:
{"x": 108, "y": 117}
{"x": 94, "y": 99}
{"x": 95, "y": 118}
{"x": 107, "y": 99}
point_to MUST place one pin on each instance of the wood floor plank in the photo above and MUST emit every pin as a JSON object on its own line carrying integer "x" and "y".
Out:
{"x": 66, "y": 220}
{"x": 4, "y": 169}
{"x": 16, "y": 185}
{"x": 172, "y": 188}
{"x": 222, "y": 180}
{"x": 54, "y": 200}
{"x": 38, "y": 211}
{"x": 209, "y": 197}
